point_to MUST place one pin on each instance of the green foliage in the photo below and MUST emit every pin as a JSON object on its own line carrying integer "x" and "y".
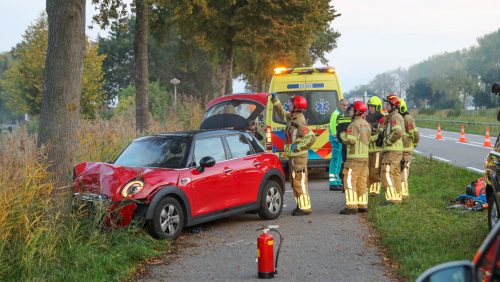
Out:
{"x": 424, "y": 111}
{"x": 170, "y": 55}
{"x": 453, "y": 113}
{"x": 257, "y": 34}
{"x": 24, "y": 79}
{"x": 421, "y": 232}
{"x": 159, "y": 99}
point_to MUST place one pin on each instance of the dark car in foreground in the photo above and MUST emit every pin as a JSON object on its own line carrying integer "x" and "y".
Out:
{"x": 181, "y": 179}
{"x": 492, "y": 175}
{"x": 484, "y": 267}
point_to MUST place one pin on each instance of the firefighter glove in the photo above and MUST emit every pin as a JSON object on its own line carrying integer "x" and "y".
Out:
{"x": 274, "y": 95}
{"x": 293, "y": 147}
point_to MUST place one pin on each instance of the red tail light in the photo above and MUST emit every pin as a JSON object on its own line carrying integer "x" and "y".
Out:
{"x": 269, "y": 145}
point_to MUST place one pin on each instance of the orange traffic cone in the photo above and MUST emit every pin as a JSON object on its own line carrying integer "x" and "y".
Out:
{"x": 487, "y": 142}
{"x": 462, "y": 135}
{"x": 439, "y": 136}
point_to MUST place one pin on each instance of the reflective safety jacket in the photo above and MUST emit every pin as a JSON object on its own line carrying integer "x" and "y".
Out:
{"x": 411, "y": 135}
{"x": 356, "y": 138}
{"x": 376, "y": 122}
{"x": 296, "y": 131}
{"x": 393, "y": 132}
{"x": 341, "y": 123}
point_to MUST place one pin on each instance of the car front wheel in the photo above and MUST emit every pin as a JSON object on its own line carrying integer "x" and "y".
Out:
{"x": 493, "y": 213}
{"x": 271, "y": 203}
{"x": 167, "y": 221}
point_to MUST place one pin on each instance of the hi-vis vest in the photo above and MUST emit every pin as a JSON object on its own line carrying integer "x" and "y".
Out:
{"x": 411, "y": 135}
{"x": 393, "y": 132}
{"x": 377, "y": 128}
{"x": 296, "y": 132}
{"x": 356, "y": 138}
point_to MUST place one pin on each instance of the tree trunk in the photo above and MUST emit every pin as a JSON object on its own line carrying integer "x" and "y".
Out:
{"x": 60, "y": 108}
{"x": 141, "y": 67}
{"x": 229, "y": 79}
{"x": 222, "y": 72}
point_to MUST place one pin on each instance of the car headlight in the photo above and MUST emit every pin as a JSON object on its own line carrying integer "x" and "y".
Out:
{"x": 132, "y": 188}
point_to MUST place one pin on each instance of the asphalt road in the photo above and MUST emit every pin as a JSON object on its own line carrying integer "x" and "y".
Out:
{"x": 323, "y": 246}
{"x": 470, "y": 155}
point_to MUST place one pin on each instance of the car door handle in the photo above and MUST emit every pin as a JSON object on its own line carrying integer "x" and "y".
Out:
{"x": 227, "y": 170}
{"x": 257, "y": 163}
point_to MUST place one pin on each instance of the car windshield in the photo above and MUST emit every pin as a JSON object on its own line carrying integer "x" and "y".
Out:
{"x": 242, "y": 108}
{"x": 320, "y": 105}
{"x": 164, "y": 152}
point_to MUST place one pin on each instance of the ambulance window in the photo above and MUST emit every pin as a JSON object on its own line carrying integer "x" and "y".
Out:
{"x": 321, "y": 105}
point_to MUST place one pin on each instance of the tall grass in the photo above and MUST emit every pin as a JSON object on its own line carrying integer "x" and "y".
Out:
{"x": 34, "y": 243}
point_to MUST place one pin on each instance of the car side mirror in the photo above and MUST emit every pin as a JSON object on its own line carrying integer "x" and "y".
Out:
{"x": 450, "y": 271}
{"x": 205, "y": 162}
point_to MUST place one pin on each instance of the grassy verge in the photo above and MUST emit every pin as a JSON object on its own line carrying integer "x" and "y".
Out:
{"x": 421, "y": 232}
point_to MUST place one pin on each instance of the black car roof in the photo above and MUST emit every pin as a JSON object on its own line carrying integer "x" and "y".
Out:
{"x": 193, "y": 133}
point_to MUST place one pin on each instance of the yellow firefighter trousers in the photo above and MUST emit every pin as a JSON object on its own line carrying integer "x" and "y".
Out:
{"x": 355, "y": 180}
{"x": 391, "y": 175}
{"x": 375, "y": 163}
{"x": 405, "y": 191}
{"x": 298, "y": 176}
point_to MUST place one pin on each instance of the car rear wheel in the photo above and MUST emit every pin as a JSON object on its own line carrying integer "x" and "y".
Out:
{"x": 167, "y": 221}
{"x": 493, "y": 212}
{"x": 271, "y": 203}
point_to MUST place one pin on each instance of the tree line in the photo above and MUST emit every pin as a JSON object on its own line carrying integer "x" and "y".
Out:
{"x": 445, "y": 81}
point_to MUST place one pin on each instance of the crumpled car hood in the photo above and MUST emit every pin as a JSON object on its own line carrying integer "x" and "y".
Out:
{"x": 108, "y": 179}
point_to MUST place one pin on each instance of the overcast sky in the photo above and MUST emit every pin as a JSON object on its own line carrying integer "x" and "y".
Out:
{"x": 376, "y": 35}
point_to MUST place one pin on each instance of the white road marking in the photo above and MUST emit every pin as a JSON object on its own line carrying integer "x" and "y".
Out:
{"x": 475, "y": 169}
{"x": 416, "y": 151}
{"x": 441, "y": 159}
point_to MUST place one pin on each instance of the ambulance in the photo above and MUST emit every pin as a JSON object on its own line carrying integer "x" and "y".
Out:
{"x": 321, "y": 88}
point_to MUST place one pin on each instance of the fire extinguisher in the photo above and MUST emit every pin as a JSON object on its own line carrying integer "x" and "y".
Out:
{"x": 266, "y": 265}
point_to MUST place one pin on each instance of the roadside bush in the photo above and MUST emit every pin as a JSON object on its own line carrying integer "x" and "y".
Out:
{"x": 427, "y": 111}
{"x": 453, "y": 113}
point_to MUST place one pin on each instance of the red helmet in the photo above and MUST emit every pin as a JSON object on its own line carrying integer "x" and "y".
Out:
{"x": 393, "y": 100}
{"x": 299, "y": 103}
{"x": 359, "y": 107}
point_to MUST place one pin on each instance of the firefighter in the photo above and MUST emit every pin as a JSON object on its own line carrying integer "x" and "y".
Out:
{"x": 356, "y": 138}
{"x": 336, "y": 160}
{"x": 410, "y": 140}
{"x": 392, "y": 150}
{"x": 299, "y": 138}
{"x": 376, "y": 120}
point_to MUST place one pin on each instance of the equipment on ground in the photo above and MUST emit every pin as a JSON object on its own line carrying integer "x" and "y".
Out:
{"x": 266, "y": 265}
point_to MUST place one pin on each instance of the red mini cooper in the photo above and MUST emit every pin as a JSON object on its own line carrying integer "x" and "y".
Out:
{"x": 183, "y": 179}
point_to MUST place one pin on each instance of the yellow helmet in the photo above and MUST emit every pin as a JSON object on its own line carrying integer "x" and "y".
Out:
{"x": 376, "y": 102}
{"x": 402, "y": 106}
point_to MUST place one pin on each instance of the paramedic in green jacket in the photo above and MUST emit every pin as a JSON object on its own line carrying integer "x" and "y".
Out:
{"x": 339, "y": 120}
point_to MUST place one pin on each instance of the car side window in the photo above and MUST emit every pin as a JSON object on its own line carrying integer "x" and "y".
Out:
{"x": 210, "y": 147}
{"x": 257, "y": 147}
{"x": 239, "y": 146}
